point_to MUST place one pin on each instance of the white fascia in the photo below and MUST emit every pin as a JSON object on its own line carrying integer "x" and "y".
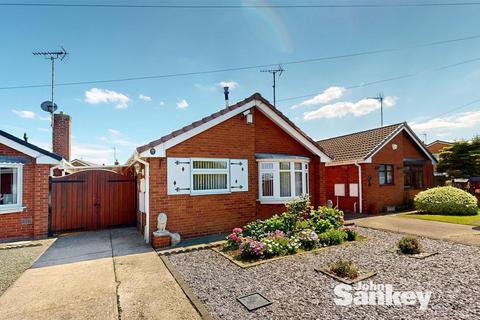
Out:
{"x": 292, "y": 131}
{"x": 393, "y": 135}
{"x": 40, "y": 157}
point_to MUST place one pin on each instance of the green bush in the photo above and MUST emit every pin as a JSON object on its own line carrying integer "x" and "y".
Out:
{"x": 352, "y": 234}
{"x": 409, "y": 245}
{"x": 332, "y": 237}
{"x": 332, "y": 215}
{"x": 446, "y": 201}
{"x": 344, "y": 269}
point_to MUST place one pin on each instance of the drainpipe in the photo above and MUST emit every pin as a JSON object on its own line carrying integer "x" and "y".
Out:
{"x": 360, "y": 184}
{"x": 147, "y": 196}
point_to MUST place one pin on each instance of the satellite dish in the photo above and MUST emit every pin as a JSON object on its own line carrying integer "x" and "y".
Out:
{"x": 48, "y": 107}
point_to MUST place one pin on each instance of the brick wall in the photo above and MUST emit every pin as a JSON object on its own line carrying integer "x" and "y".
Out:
{"x": 61, "y": 139}
{"x": 375, "y": 196}
{"x": 32, "y": 222}
{"x": 234, "y": 138}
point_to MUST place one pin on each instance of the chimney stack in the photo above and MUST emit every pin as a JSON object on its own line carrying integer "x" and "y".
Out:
{"x": 61, "y": 135}
{"x": 225, "y": 92}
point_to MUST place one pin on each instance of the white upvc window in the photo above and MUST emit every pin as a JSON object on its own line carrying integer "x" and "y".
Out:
{"x": 11, "y": 187}
{"x": 210, "y": 176}
{"x": 282, "y": 180}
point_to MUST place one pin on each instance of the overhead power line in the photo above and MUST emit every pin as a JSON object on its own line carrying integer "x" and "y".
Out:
{"x": 222, "y": 6}
{"x": 400, "y": 77}
{"x": 301, "y": 61}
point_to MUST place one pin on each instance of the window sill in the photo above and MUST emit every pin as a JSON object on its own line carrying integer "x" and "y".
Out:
{"x": 17, "y": 209}
{"x": 274, "y": 201}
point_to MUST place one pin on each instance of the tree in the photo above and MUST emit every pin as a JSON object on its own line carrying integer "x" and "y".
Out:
{"x": 461, "y": 160}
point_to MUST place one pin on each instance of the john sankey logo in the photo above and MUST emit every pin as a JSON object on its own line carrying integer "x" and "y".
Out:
{"x": 370, "y": 293}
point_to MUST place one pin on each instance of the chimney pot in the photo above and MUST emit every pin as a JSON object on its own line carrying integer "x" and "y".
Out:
{"x": 225, "y": 92}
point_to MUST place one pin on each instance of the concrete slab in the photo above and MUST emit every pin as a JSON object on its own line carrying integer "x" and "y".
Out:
{"x": 432, "y": 229}
{"x": 108, "y": 274}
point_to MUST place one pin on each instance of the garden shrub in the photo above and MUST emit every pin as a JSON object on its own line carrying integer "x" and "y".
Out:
{"x": 331, "y": 215}
{"x": 344, "y": 269}
{"x": 446, "y": 201}
{"x": 352, "y": 234}
{"x": 234, "y": 239}
{"x": 251, "y": 249}
{"x": 332, "y": 237}
{"x": 409, "y": 245}
{"x": 299, "y": 206}
{"x": 308, "y": 239}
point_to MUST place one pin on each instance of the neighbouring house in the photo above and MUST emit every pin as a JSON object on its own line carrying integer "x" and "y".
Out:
{"x": 436, "y": 147}
{"x": 377, "y": 170}
{"x": 24, "y": 184}
{"x": 225, "y": 170}
{"x": 82, "y": 163}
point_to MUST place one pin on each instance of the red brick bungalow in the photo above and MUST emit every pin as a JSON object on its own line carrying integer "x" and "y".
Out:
{"x": 24, "y": 172}
{"x": 234, "y": 166}
{"x": 391, "y": 162}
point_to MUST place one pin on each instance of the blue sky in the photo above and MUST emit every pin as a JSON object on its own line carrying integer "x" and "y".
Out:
{"x": 109, "y": 43}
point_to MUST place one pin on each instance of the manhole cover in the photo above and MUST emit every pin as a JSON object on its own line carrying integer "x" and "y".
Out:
{"x": 254, "y": 301}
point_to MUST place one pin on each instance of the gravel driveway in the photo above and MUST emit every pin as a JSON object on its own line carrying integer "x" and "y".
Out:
{"x": 14, "y": 261}
{"x": 298, "y": 292}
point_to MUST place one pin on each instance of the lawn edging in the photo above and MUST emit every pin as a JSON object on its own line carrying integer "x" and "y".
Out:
{"x": 246, "y": 265}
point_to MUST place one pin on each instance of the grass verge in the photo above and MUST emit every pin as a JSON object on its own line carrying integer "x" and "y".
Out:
{"x": 467, "y": 220}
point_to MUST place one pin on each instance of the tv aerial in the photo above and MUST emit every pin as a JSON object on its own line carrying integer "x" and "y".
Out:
{"x": 50, "y": 106}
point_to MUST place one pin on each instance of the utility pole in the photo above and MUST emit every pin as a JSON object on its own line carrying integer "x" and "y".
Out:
{"x": 52, "y": 56}
{"x": 379, "y": 98}
{"x": 274, "y": 72}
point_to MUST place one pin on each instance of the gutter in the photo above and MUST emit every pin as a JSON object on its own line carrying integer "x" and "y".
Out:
{"x": 147, "y": 196}
{"x": 360, "y": 186}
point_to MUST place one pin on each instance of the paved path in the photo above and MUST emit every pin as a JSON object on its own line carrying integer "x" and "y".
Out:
{"x": 431, "y": 229}
{"x": 108, "y": 274}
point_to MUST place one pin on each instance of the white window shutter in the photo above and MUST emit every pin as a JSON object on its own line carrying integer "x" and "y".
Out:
{"x": 178, "y": 176}
{"x": 238, "y": 175}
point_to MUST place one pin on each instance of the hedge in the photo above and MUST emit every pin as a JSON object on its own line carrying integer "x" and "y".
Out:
{"x": 446, "y": 201}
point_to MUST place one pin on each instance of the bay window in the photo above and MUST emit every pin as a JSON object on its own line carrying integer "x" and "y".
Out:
{"x": 282, "y": 180}
{"x": 10, "y": 186}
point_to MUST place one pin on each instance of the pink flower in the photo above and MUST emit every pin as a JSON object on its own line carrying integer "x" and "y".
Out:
{"x": 237, "y": 230}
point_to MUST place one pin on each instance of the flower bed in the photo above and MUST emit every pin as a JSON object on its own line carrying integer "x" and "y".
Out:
{"x": 299, "y": 229}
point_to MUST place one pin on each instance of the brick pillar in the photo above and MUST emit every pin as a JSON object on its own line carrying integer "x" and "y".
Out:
{"x": 61, "y": 135}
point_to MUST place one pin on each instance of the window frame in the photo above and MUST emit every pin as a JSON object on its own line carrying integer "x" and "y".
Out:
{"x": 385, "y": 174}
{"x": 413, "y": 184}
{"x": 276, "y": 198}
{"x": 17, "y": 207}
{"x": 194, "y": 171}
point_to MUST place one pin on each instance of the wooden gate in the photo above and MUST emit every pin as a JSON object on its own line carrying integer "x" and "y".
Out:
{"x": 91, "y": 200}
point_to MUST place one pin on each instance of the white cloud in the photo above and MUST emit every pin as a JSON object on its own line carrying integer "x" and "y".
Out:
{"x": 162, "y": 103}
{"x": 115, "y": 138}
{"x": 114, "y": 132}
{"x": 96, "y": 96}
{"x": 94, "y": 153}
{"x": 43, "y": 129}
{"x": 145, "y": 98}
{"x": 457, "y": 121}
{"x": 231, "y": 84}
{"x": 182, "y": 104}
{"x": 326, "y": 96}
{"x": 25, "y": 114}
{"x": 47, "y": 118}
{"x": 342, "y": 109}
